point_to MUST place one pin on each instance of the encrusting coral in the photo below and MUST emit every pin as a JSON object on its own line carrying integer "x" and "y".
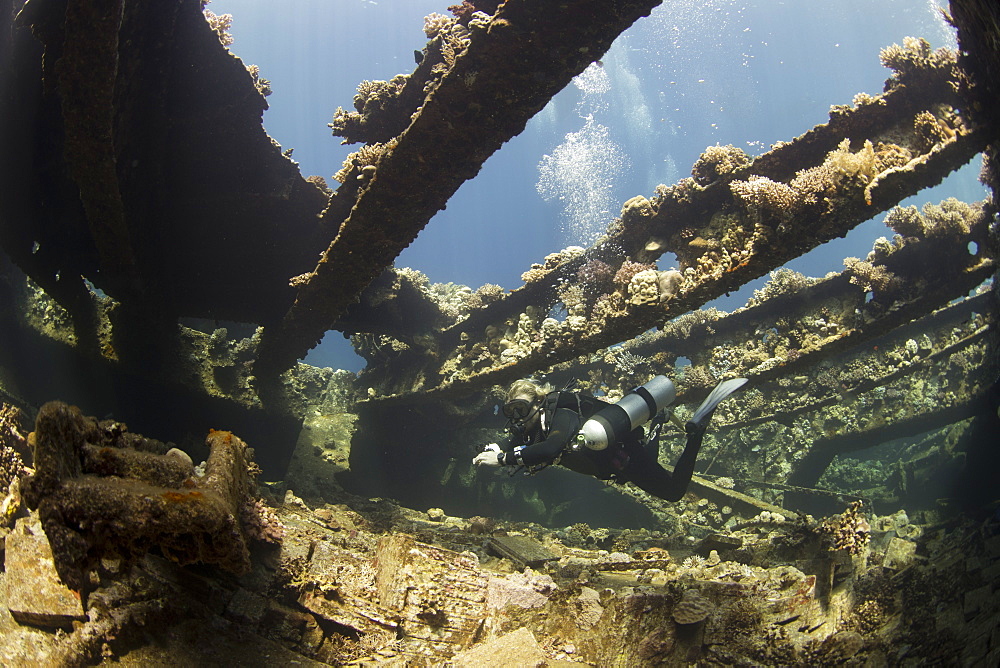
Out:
{"x": 717, "y": 161}
{"x": 644, "y": 288}
{"x": 692, "y": 608}
{"x": 848, "y": 531}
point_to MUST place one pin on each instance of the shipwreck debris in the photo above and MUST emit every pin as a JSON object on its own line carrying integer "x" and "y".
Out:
{"x": 102, "y": 491}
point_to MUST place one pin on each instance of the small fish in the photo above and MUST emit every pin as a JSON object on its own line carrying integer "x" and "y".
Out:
{"x": 418, "y": 56}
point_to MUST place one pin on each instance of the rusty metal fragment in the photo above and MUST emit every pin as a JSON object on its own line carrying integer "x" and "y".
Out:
{"x": 97, "y": 497}
{"x": 523, "y": 551}
{"x": 438, "y": 595}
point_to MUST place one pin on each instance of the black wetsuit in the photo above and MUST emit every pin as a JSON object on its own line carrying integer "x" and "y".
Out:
{"x": 626, "y": 461}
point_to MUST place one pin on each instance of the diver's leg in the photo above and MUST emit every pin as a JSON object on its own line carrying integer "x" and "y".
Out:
{"x": 645, "y": 472}
{"x": 673, "y": 487}
{"x": 684, "y": 468}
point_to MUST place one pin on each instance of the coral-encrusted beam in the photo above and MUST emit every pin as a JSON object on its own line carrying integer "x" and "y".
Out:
{"x": 530, "y": 50}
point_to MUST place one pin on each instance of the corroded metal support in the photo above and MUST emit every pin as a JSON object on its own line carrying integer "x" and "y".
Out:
{"x": 101, "y": 491}
{"x": 795, "y": 323}
{"x": 134, "y": 157}
{"x": 509, "y": 69}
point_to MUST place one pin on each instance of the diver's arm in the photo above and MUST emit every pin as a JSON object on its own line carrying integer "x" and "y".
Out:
{"x": 509, "y": 442}
{"x": 493, "y": 454}
{"x": 564, "y": 426}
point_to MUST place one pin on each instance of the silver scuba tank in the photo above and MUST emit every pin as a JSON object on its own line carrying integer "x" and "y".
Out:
{"x": 636, "y": 408}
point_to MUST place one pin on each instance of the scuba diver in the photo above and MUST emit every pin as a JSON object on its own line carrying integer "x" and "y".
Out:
{"x": 593, "y": 437}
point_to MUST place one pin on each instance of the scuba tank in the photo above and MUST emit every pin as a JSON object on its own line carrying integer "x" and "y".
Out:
{"x": 612, "y": 423}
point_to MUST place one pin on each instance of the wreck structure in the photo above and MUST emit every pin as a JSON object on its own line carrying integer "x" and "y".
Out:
{"x": 147, "y": 218}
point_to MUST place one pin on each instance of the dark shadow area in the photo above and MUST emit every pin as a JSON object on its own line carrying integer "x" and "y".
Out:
{"x": 46, "y": 369}
{"x": 423, "y": 459}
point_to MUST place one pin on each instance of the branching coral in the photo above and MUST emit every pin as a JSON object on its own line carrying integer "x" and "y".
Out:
{"x": 870, "y": 277}
{"x": 366, "y": 156}
{"x": 573, "y": 297}
{"x": 847, "y": 165}
{"x": 485, "y": 294}
{"x": 552, "y": 260}
{"x": 765, "y": 198}
{"x": 536, "y": 273}
{"x": 697, "y": 377}
{"x": 373, "y": 95}
{"x": 595, "y": 271}
{"x": 782, "y": 281}
{"x": 262, "y": 85}
{"x": 628, "y": 270}
{"x": 468, "y": 11}
{"x": 625, "y": 362}
{"x": 373, "y": 99}
{"x": 840, "y": 167}
{"x": 889, "y": 156}
{"x": 950, "y": 218}
{"x": 320, "y": 183}
{"x": 905, "y": 221}
{"x": 435, "y": 24}
{"x": 453, "y": 43}
{"x": 915, "y": 56}
{"x": 220, "y": 25}
{"x": 415, "y": 276}
{"x": 607, "y": 306}
{"x": 930, "y": 130}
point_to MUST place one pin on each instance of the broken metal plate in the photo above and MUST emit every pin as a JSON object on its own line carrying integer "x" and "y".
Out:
{"x": 521, "y": 550}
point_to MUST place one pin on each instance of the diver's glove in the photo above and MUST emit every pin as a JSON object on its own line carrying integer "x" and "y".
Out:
{"x": 490, "y": 456}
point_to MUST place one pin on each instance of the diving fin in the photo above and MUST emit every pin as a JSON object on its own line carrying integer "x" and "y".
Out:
{"x": 722, "y": 390}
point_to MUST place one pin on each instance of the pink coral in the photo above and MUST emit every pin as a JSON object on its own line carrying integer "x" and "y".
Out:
{"x": 261, "y": 523}
{"x": 629, "y": 269}
{"x": 595, "y": 271}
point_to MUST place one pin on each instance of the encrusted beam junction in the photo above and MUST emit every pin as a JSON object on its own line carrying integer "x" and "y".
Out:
{"x": 495, "y": 74}
{"x": 735, "y": 220}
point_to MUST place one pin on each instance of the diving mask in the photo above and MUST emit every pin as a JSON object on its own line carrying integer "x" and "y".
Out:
{"x": 517, "y": 409}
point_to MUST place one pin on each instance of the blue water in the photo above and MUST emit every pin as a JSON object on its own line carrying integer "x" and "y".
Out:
{"x": 691, "y": 75}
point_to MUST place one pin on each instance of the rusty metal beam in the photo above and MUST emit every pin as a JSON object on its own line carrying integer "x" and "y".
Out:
{"x": 507, "y": 73}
